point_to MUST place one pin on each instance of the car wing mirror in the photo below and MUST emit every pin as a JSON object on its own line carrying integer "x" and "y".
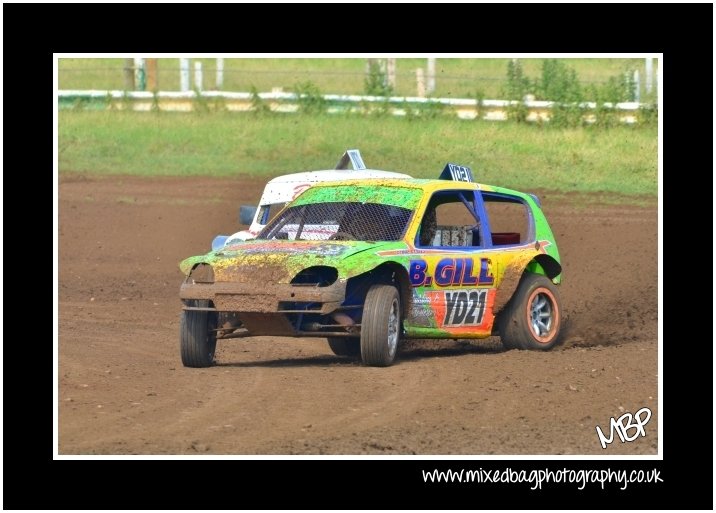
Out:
{"x": 246, "y": 214}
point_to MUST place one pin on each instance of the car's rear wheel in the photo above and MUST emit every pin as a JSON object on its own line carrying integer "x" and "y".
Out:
{"x": 533, "y": 317}
{"x": 196, "y": 335}
{"x": 345, "y": 346}
{"x": 380, "y": 326}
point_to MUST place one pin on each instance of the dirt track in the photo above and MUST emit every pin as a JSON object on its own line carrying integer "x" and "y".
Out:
{"x": 123, "y": 389}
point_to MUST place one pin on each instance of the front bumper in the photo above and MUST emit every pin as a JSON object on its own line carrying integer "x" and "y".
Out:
{"x": 266, "y": 297}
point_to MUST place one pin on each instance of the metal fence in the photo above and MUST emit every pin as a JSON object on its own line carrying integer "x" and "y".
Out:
{"x": 446, "y": 78}
{"x": 463, "y": 108}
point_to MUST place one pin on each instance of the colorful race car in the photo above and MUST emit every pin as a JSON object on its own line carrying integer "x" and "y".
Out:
{"x": 366, "y": 264}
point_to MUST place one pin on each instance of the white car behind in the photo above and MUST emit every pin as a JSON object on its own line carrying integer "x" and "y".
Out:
{"x": 281, "y": 190}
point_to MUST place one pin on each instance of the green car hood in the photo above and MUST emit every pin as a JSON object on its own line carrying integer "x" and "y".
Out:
{"x": 278, "y": 261}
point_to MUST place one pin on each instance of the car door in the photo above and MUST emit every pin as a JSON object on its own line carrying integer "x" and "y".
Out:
{"x": 453, "y": 270}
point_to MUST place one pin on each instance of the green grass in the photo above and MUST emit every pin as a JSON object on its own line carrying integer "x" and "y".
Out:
{"x": 454, "y": 77}
{"x": 622, "y": 159}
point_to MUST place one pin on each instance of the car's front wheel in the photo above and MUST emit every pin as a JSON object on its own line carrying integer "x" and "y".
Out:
{"x": 380, "y": 326}
{"x": 197, "y": 339}
{"x": 533, "y": 317}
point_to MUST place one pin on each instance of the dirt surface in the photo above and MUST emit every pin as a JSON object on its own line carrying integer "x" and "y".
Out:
{"x": 123, "y": 389}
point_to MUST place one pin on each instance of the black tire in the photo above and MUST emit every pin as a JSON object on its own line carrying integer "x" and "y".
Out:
{"x": 197, "y": 341}
{"x": 345, "y": 346}
{"x": 380, "y": 326}
{"x": 533, "y": 317}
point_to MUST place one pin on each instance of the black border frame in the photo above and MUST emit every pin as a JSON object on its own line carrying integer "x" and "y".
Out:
{"x": 33, "y": 480}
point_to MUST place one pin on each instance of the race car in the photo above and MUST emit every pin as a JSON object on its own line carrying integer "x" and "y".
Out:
{"x": 367, "y": 264}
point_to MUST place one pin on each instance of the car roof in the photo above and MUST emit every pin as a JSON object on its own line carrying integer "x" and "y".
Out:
{"x": 332, "y": 175}
{"x": 431, "y": 185}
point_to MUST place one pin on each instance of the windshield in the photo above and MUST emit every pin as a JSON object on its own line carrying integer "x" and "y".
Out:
{"x": 339, "y": 221}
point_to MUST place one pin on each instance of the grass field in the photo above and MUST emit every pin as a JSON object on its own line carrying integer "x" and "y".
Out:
{"x": 619, "y": 160}
{"x": 455, "y": 77}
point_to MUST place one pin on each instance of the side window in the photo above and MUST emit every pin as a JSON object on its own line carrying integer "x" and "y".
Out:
{"x": 510, "y": 219}
{"x": 268, "y": 212}
{"x": 450, "y": 220}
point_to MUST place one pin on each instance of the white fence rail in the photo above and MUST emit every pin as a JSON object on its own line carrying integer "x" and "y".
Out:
{"x": 463, "y": 108}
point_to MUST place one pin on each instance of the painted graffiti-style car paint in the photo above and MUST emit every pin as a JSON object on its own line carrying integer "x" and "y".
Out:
{"x": 281, "y": 190}
{"x": 366, "y": 264}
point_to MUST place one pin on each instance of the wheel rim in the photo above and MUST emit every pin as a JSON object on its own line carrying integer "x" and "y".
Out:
{"x": 542, "y": 315}
{"x": 393, "y": 322}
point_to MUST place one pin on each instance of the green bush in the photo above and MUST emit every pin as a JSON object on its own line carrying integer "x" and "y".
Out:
{"x": 560, "y": 84}
{"x": 376, "y": 82}
{"x": 258, "y": 105}
{"x": 480, "y": 106}
{"x": 518, "y": 85}
{"x": 310, "y": 99}
{"x": 648, "y": 115}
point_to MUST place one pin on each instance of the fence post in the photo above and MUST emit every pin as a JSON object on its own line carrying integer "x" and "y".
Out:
{"x": 420, "y": 79}
{"x": 140, "y": 75}
{"x": 391, "y": 72}
{"x": 649, "y": 74}
{"x": 431, "y": 76}
{"x": 152, "y": 74}
{"x": 184, "y": 74}
{"x": 129, "y": 74}
{"x": 198, "y": 77}
{"x": 219, "y": 74}
{"x": 637, "y": 86}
